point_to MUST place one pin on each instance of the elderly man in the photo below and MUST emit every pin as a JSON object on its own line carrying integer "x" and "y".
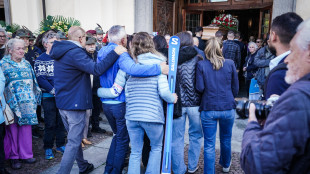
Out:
{"x": 72, "y": 67}
{"x": 3, "y": 40}
{"x": 282, "y": 145}
{"x": 94, "y": 119}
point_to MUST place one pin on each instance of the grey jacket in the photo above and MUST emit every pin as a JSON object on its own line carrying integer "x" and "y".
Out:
{"x": 262, "y": 60}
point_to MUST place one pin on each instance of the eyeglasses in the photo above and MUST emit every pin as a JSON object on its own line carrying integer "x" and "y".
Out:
{"x": 2, "y": 36}
{"x": 51, "y": 42}
{"x": 258, "y": 41}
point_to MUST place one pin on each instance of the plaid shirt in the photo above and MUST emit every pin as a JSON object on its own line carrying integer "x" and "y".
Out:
{"x": 231, "y": 50}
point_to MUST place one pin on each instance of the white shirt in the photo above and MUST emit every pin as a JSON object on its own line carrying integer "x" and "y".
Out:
{"x": 274, "y": 62}
{"x": 76, "y": 43}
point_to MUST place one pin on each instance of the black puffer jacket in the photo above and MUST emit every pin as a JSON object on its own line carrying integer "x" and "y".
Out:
{"x": 186, "y": 79}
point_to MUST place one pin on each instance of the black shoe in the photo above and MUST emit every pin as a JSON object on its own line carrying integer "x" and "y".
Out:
{"x": 36, "y": 134}
{"x": 15, "y": 164}
{"x": 4, "y": 171}
{"x": 89, "y": 168}
{"x": 29, "y": 161}
{"x": 98, "y": 130}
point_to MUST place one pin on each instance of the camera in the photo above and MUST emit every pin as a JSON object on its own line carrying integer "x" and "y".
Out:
{"x": 262, "y": 108}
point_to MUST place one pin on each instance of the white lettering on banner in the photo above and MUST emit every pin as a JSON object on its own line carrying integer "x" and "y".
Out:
{"x": 174, "y": 41}
{"x": 172, "y": 59}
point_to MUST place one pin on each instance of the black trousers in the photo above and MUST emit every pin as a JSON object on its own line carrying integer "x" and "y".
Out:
{"x": 54, "y": 127}
{"x": 94, "y": 119}
{"x": 2, "y": 157}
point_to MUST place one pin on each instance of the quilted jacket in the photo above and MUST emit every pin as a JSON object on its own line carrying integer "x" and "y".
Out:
{"x": 187, "y": 78}
{"x": 283, "y": 144}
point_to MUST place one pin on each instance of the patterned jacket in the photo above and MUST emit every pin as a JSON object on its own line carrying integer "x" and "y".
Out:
{"x": 22, "y": 91}
{"x": 44, "y": 70}
{"x": 231, "y": 50}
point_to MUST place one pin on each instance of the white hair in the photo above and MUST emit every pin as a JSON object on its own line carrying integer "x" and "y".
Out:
{"x": 49, "y": 35}
{"x": 3, "y": 31}
{"x": 252, "y": 43}
{"x": 304, "y": 37}
{"x": 116, "y": 34}
{"x": 11, "y": 43}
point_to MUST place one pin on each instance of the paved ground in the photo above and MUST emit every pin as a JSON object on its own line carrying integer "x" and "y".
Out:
{"x": 97, "y": 153}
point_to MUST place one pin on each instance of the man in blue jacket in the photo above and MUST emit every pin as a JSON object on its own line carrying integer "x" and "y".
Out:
{"x": 283, "y": 29}
{"x": 73, "y": 94}
{"x": 115, "y": 108}
{"x": 282, "y": 145}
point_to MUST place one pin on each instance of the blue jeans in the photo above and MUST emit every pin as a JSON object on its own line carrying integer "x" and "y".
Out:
{"x": 209, "y": 124}
{"x": 155, "y": 132}
{"x": 74, "y": 122}
{"x": 54, "y": 128}
{"x": 195, "y": 140}
{"x": 115, "y": 114}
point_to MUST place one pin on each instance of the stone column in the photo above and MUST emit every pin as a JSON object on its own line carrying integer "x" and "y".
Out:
{"x": 283, "y": 6}
{"x": 144, "y": 16}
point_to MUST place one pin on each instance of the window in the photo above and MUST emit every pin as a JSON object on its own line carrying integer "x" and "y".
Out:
{"x": 192, "y": 21}
{"x": 193, "y": 1}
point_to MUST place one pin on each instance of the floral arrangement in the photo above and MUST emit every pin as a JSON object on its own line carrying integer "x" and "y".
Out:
{"x": 226, "y": 21}
{"x": 58, "y": 23}
{"x": 9, "y": 28}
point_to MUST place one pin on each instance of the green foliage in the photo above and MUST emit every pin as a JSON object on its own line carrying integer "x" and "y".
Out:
{"x": 9, "y": 28}
{"x": 59, "y": 23}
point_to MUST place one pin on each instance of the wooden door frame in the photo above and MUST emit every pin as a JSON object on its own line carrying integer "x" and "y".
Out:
{"x": 184, "y": 12}
{"x": 261, "y": 19}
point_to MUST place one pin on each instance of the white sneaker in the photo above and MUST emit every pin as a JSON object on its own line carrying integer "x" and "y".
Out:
{"x": 226, "y": 170}
{"x": 193, "y": 171}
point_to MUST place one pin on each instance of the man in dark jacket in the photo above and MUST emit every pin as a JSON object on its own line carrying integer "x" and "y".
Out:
{"x": 198, "y": 33}
{"x": 282, "y": 145}
{"x": 283, "y": 29}
{"x": 72, "y": 69}
{"x": 95, "y": 114}
{"x": 231, "y": 50}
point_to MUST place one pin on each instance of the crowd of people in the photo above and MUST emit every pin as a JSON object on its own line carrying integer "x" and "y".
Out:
{"x": 74, "y": 77}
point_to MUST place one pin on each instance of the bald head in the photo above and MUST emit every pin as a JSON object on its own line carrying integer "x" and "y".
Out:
{"x": 196, "y": 41}
{"x": 75, "y": 33}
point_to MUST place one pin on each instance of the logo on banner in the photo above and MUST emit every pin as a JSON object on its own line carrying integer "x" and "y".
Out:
{"x": 172, "y": 59}
{"x": 174, "y": 41}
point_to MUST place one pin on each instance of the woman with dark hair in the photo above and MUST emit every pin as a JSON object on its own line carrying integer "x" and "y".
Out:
{"x": 129, "y": 39}
{"x": 218, "y": 83}
{"x": 161, "y": 44}
{"x": 188, "y": 105}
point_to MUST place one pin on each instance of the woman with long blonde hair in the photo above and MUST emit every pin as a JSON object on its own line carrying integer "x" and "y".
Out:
{"x": 217, "y": 80}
